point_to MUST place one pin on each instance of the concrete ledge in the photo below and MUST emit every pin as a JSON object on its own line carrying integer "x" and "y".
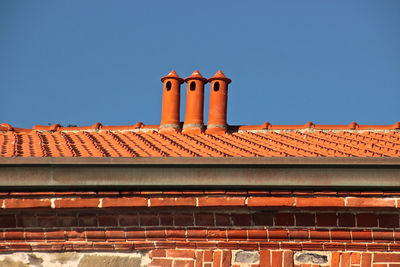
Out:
{"x": 200, "y": 172}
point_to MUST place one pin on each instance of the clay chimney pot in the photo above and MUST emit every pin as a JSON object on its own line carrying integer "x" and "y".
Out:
{"x": 171, "y": 102}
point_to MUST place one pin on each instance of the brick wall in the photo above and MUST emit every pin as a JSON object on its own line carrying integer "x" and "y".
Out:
{"x": 209, "y": 228}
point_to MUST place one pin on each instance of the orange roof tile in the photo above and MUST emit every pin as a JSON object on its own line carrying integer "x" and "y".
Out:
{"x": 266, "y": 140}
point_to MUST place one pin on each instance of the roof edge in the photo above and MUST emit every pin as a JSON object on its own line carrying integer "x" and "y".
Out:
{"x": 338, "y": 161}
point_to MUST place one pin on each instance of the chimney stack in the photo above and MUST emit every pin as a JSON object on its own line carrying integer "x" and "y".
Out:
{"x": 194, "y": 103}
{"x": 218, "y": 104}
{"x": 171, "y": 102}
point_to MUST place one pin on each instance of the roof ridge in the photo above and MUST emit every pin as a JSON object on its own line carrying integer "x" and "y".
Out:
{"x": 232, "y": 128}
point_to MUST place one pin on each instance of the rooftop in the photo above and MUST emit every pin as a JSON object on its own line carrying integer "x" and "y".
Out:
{"x": 142, "y": 140}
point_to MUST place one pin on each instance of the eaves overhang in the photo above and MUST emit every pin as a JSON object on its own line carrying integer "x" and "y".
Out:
{"x": 91, "y": 173}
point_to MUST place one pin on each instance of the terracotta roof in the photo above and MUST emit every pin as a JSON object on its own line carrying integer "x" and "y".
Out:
{"x": 141, "y": 140}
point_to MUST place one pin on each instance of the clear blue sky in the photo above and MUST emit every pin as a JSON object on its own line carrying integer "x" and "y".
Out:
{"x": 80, "y": 62}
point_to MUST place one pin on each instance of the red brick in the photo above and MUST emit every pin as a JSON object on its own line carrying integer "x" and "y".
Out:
{"x": 275, "y": 234}
{"x": 155, "y": 234}
{"x": 223, "y": 220}
{"x": 208, "y": 255}
{"x": 14, "y": 235}
{"x": 291, "y": 246}
{"x": 176, "y": 235}
{"x": 312, "y": 246}
{"x": 335, "y": 259}
{"x": 47, "y": 220}
{"x": 366, "y": 260}
{"x": 166, "y": 219}
{"x": 378, "y": 247}
{"x": 126, "y": 202}
{"x": 45, "y": 247}
{"x": 226, "y": 258}
{"x": 8, "y": 221}
{"x": 241, "y": 219}
{"x": 305, "y": 219}
{"x": 346, "y": 220}
{"x": 115, "y": 234}
{"x": 356, "y": 246}
{"x": 123, "y": 246}
{"x": 257, "y": 234}
{"x": 161, "y": 262}
{"x": 108, "y": 220}
{"x": 27, "y": 203}
{"x": 199, "y": 258}
{"x": 228, "y": 245}
{"x": 322, "y": 202}
{"x": 248, "y": 245}
{"x": 195, "y": 234}
{"x": 386, "y": 257}
{"x": 67, "y": 220}
{"x": 237, "y": 234}
{"x": 334, "y": 246}
{"x": 158, "y": 253}
{"x": 173, "y": 202}
{"x": 284, "y": 219}
{"x": 295, "y": 234}
{"x": 383, "y": 236}
{"x": 388, "y": 220}
{"x": 288, "y": 259}
{"x": 144, "y": 245}
{"x": 129, "y": 220}
{"x": 345, "y": 260}
{"x": 185, "y": 245}
{"x": 269, "y": 245}
{"x": 216, "y": 234}
{"x": 270, "y": 201}
{"x": 19, "y": 247}
{"x": 76, "y": 203}
{"x": 183, "y": 220}
{"x": 75, "y": 235}
{"x": 220, "y": 201}
{"x": 87, "y": 220}
{"x": 26, "y": 221}
{"x": 361, "y": 235}
{"x": 95, "y": 235}
{"x": 265, "y": 258}
{"x": 149, "y": 220}
{"x": 276, "y": 258}
{"x": 355, "y": 258}
{"x": 365, "y": 202}
{"x": 180, "y": 253}
{"x": 52, "y": 235}
{"x": 326, "y": 219}
{"x": 217, "y": 259}
{"x": 166, "y": 244}
{"x": 341, "y": 235}
{"x": 183, "y": 263}
{"x": 87, "y": 246}
{"x": 320, "y": 235}
{"x": 263, "y": 219}
{"x": 34, "y": 235}
{"x": 367, "y": 220}
{"x": 204, "y": 219}
{"x": 206, "y": 245}
{"x": 394, "y": 247}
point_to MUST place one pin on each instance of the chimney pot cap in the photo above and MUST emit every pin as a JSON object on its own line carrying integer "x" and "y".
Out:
{"x": 196, "y": 76}
{"x": 172, "y": 75}
{"x": 220, "y": 76}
